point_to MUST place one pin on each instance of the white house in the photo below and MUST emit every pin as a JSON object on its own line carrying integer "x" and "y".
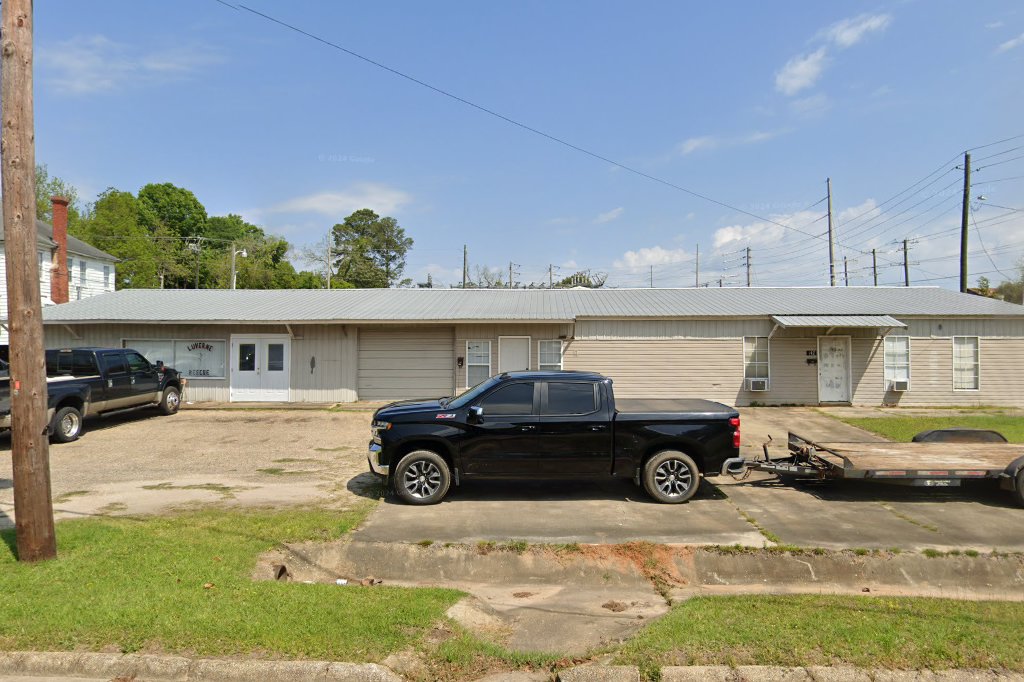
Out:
{"x": 69, "y": 269}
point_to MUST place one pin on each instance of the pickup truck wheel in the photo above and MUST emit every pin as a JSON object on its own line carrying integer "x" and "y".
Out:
{"x": 671, "y": 477}
{"x": 422, "y": 477}
{"x": 170, "y": 401}
{"x": 66, "y": 425}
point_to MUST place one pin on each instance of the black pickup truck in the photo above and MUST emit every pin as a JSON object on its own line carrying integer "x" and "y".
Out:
{"x": 567, "y": 425}
{"x": 82, "y": 382}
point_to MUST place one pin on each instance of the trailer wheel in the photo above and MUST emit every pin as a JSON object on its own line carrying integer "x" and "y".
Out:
{"x": 1018, "y": 494}
{"x": 671, "y": 477}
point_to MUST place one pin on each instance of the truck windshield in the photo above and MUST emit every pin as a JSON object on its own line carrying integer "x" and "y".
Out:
{"x": 469, "y": 396}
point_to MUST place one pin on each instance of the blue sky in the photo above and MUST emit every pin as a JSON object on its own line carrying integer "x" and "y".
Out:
{"x": 751, "y": 104}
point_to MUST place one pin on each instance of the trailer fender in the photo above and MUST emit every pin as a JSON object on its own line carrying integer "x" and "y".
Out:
{"x": 1011, "y": 478}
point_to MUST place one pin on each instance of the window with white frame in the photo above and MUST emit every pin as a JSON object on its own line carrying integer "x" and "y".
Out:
{"x": 106, "y": 278}
{"x": 81, "y": 272}
{"x": 478, "y": 361}
{"x": 549, "y": 355}
{"x": 896, "y": 359}
{"x": 966, "y": 363}
{"x": 755, "y": 357}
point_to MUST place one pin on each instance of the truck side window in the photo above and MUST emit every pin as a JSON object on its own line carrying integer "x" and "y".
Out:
{"x": 512, "y": 399}
{"x": 84, "y": 363}
{"x": 114, "y": 363}
{"x": 136, "y": 362}
{"x": 58, "y": 363}
{"x": 571, "y": 398}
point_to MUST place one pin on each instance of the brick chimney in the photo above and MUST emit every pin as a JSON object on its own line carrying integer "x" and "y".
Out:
{"x": 59, "y": 271}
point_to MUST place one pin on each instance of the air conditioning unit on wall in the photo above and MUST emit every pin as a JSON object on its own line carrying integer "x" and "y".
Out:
{"x": 899, "y": 386}
{"x": 757, "y": 384}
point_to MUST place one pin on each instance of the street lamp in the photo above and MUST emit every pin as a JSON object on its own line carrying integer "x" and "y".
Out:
{"x": 240, "y": 252}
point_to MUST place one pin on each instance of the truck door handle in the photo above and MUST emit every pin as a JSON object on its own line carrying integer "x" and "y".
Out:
{"x": 527, "y": 428}
{"x": 598, "y": 427}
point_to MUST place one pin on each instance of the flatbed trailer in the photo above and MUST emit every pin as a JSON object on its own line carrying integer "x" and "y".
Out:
{"x": 933, "y": 465}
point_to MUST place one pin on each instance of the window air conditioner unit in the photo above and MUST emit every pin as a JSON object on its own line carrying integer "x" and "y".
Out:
{"x": 899, "y": 386}
{"x": 757, "y": 384}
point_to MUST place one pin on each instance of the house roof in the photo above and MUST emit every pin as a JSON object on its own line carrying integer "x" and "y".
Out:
{"x": 44, "y": 237}
{"x": 542, "y": 305}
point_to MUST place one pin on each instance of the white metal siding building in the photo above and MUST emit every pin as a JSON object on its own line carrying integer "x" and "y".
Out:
{"x": 871, "y": 346}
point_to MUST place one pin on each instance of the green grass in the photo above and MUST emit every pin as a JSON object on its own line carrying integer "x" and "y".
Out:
{"x": 902, "y": 429}
{"x": 138, "y": 584}
{"x": 827, "y": 630}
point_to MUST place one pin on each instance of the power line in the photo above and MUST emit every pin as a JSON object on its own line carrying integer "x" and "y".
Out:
{"x": 999, "y": 163}
{"x": 508, "y": 119}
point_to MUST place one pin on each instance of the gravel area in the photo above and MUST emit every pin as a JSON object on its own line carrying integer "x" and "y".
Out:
{"x": 141, "y": 462}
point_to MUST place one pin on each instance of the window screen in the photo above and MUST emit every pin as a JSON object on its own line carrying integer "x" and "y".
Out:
{"x": 966, "y": 363}
{"x": 570, "y": 398}
{"x": 478, "y": 361}
{"x": 550, "y": 355}
{"x": 897, "y": 358}
{"x": 512, "y": 399}
{"x": 755, "y": 357}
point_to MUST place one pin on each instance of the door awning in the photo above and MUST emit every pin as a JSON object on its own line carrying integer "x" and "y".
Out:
{"x": 833, "y": 321}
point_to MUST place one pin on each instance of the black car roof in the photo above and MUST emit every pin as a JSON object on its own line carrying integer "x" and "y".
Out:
{"x": 552, "y": 374}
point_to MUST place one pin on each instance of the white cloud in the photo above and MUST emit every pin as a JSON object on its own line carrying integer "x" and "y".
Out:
{"x": 383, "y": 199}
{"x": 994, "y": 24}
{"x": 654, "y": 255}
{"x": 697, "y": 143}
{"x": 92, "y": 64}
{"x": 801, "y": 72}
{"x": 849, "y": 32}
{"x": 1011, "y": 44}
{"x": 709, "y": 142}
{"x": 609, "y": 216}
{"x": 761, "y": 233}
{"x": 867, "y": 209}
{"x": 811, "y": 106}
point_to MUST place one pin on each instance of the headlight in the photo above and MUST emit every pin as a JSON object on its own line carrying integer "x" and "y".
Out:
{"x": 379, "y": 425}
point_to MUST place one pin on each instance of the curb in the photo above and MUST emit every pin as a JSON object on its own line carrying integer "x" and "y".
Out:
{"x": 180, "y": 669}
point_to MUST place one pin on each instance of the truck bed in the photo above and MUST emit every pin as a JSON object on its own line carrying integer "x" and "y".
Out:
{"x": 691, "y": 407}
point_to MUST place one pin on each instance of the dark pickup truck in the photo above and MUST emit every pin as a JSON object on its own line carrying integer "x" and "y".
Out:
{"x": 530, "y": 425}
{"x": 82, "y": 382}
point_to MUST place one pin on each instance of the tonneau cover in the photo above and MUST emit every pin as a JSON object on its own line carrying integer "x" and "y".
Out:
{"x": 694, "y": 406}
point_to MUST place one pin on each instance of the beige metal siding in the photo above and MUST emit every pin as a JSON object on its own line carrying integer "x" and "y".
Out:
{"x": 405, "y": 363}
{"x": 491, "y": 332}
{"x": 671, "y": 329}
{"x": 944, "y": 327}
{"x": 665, "y": 368}
{"x": 334, "y": 347}
{"x": 793, "y": 380}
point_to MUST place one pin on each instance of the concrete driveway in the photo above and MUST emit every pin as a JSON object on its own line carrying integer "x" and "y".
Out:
{"x": 143, "y": 463}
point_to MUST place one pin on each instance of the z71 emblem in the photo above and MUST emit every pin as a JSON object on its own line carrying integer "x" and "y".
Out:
{"x": 445, "y": 415}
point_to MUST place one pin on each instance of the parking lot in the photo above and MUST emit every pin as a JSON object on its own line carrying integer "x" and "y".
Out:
{"x": 142, "y": 463}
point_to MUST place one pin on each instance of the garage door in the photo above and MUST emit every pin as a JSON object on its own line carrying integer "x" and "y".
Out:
{"x": 402, "y": 364}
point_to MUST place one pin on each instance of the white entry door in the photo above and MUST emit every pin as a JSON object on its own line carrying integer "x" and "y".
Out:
{"x": 513, "y": 353}
{"x": 834, "y": 369}
{"x": 260, "y": 368}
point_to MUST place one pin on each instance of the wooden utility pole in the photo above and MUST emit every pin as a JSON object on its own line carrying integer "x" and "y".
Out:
{"x": 551, "y": 276}
{"x": 510, "y": 274}
{"x": 30, "y": 448}
{"x": 696, "y": 272}
{"x": 831, "y": 237}
{"x": 748, "y": 266}
{"x": 963, "y": 222}
{"x": 652, "y": 276}
{"x": 874, "y": 264}
{"x": 846, "y": 273}
{"x": 330, "y": 259}
{"x": 906, "y": 264}
{"x": 465, "y": 265}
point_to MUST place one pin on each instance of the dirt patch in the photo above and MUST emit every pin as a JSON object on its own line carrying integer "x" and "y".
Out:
{"x": 657, "y": 563}
{"x": 523, "y": 595}
{"x": 615, "y": 606}
{"x": 70, "y": 495}
{"x": 225, "y": 491}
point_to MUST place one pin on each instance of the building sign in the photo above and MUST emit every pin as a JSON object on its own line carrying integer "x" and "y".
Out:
{"x": 194, "y": 358}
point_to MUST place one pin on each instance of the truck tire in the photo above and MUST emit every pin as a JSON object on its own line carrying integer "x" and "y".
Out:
{"x": 671, "y": 477}
{"x": 170, "y": 401}
{"x": 1018, "y": 494}
{"x": 66, "y": 425}
{"x": 422, "y": 477}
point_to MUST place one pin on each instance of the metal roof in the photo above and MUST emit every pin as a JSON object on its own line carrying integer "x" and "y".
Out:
{"x": 545, "y": 305}
{"x": 872, "y": 321}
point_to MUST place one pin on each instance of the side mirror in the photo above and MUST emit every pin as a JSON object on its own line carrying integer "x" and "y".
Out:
{"x": 476, "y": 414}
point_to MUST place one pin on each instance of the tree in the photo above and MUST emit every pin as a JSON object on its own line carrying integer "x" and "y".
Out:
{"x": 47, "y": 187}
{"x": 175, "y": 207}
{"x": 370, "y": 250}
{"x": 487, "y": 278}
{"x": 583, "y": 278}
{"x": 1010, "y": 290}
